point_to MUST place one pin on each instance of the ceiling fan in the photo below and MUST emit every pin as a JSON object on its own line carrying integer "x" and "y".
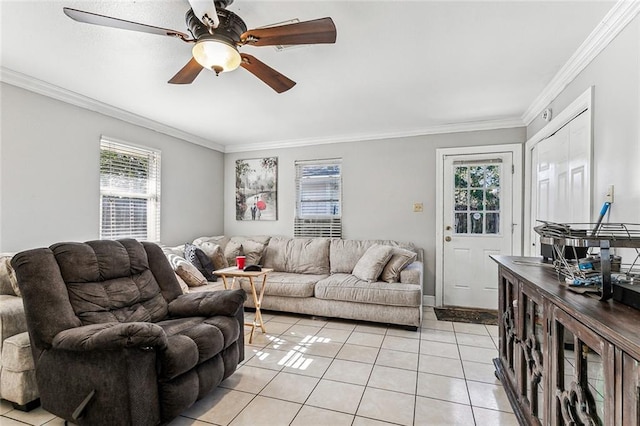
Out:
{"x": 217, "y": 33}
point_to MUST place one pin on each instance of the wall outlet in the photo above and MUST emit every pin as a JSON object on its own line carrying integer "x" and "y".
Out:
{"x": 418, "y": 207}
{"x": 609, "y": 195}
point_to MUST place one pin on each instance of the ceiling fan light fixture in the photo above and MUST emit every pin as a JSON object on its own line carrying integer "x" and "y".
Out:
{"x": 216, "y": 55}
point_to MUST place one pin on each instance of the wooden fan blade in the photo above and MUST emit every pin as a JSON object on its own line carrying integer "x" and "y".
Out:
{"x": 271, "y": 77}
{"x": 108, "y": 21}
{"x": 309, "y": 32}
{"x": 188, "y": 73}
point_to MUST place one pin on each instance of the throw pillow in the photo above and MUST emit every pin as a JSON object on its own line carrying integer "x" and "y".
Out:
{"x": 372, "y": 262}
{"x": 233, "y": 249}
{"x": 253, "y": 251}
{"x": 183, "y": 285}
{"x": 175, "y": 260}
{"x": 190, "y": 275}
{"x": 177, "y": 250}
{"x": 215, "y": 253}
{"x": 200, "y": 260}
{"x": 400, "y": 258}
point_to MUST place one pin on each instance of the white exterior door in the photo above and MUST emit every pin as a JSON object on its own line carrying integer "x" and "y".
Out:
{"x": 478, "y": 222}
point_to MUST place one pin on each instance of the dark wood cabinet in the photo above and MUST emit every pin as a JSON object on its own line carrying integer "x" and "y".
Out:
{"x": 565, "y": 358}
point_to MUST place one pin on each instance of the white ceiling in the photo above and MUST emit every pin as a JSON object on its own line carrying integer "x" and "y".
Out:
{"x": 397, "y": 68}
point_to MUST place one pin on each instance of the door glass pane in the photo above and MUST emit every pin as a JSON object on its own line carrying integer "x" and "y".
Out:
{"x": 476, "y": 223}
{"x": 461, "y": 177}
{"x": 492, "y": 177}
{"x": 595, "y": 379}
{"x": 493, "y": 199}
{"x": 493, "y": 223}
{"x": 475, "y": 200}
{"x": 476, "y": 192}
{"x": 461, "y": 197}
{"x": 461, "y": 223}
{"x": 477, "y": 176}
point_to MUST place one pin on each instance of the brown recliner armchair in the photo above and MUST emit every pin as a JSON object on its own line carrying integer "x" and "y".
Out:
{"x": 114, "y": 340}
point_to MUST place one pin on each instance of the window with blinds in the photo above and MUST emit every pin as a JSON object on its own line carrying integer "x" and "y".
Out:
{"x": 129, "y": 192}
{"x": 318, "y": 199}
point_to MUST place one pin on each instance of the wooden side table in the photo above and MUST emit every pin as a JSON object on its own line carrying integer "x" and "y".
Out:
{"x": 233, "y": 272}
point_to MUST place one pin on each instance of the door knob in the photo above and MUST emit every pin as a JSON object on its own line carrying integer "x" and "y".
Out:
{"x": 447, "y": 239}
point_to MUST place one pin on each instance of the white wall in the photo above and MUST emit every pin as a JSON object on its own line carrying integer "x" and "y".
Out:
{"x": 615, "y": 75}
{"x": 49, "y": 174}
{"x": 381, "y": 181}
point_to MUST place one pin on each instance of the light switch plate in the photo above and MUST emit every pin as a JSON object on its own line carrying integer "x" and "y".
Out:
{"x": 608, "y": 197}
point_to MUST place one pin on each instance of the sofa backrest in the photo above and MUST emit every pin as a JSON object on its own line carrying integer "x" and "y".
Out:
{"x": 94, "y": 282}
{"x": 250, "y": 246}
{"x": 344, "y": 254}
{"x": 299, "y": 255}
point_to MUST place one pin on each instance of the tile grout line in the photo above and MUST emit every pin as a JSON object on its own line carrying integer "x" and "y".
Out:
{"x": 466, "y": 383}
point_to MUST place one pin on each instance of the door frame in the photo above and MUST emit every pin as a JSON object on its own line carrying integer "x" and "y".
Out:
{"x": 516, "y": 152}
{"x": 583, "y": 103}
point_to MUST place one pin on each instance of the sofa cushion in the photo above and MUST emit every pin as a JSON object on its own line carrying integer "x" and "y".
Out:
{"x": 285, "y": 284}
{"x": 349, "y": 288}
{"x": 191, "y": 341}
{"x": 127, "y": 299}
{"x": 110, "y": 281}
{"x": 370, "y": 265}
{"x": 298, "y": 255}
{"x": 344, "y": 254}
{"x": 400, "y": 258}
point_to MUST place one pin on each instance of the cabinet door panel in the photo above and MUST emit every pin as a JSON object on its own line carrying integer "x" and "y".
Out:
{"x": 534, "y": 344}
{"x": 630, "y": 385}
{"x": 583, "y": 379}
{"x": 508, "y": 332}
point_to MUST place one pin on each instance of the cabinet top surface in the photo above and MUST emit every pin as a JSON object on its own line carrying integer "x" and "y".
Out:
{"x": 612, "y": 320}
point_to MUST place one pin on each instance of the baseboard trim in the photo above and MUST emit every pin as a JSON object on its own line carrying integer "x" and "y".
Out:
{"x": 428, "y": 301}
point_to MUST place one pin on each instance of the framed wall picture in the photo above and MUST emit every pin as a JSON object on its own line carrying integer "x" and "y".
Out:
{"x": 257, "y": 189}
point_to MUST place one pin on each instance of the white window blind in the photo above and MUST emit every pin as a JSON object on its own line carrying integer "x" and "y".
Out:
{"x": 129, "y": 192}
{"x": 318, "y": 199}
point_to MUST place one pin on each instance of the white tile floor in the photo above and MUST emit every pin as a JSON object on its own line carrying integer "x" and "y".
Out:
{"x": 306, "y": 371}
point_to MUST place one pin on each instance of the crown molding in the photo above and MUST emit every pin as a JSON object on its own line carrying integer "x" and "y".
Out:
{"x": 32, "y": 84}
{"x": 47, "y": 89}
{"x": 623, "y": 12}
{"x": 474, "y": 126}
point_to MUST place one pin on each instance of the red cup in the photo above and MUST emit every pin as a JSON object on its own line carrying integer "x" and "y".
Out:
{"x": 240, "y": 261}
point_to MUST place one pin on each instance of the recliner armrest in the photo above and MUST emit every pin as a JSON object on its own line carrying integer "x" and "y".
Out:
{"x": 208, "y": 303}
{"x": 113, "y": 335}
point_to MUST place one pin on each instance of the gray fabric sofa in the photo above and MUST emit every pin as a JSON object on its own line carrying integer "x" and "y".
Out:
{"x": 17, "y": 372}
{"x": 115, "y": 340}
{"x": 316, "y": 276}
